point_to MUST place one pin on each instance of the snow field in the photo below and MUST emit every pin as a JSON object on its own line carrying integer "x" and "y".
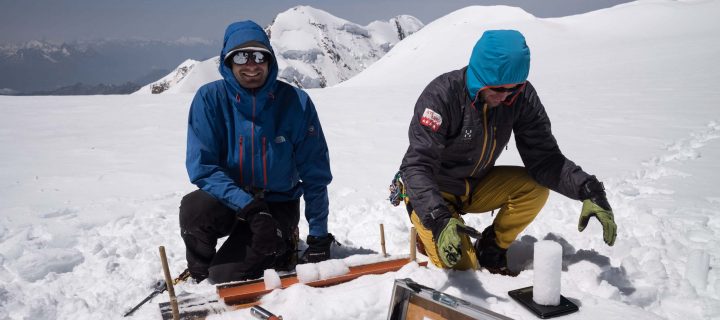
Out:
{"x": 90, "y": 186}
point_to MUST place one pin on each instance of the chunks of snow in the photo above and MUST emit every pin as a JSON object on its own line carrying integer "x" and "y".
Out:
{"x": 547, "y": 264}
{"x": 33, "y": 266}
{"x": 696, "y": 271}
{"x": 332, "y": 268}
{"x": 271, "y": 279}
{"x": 307, "y": 272}
{"x": 320, "y": 271}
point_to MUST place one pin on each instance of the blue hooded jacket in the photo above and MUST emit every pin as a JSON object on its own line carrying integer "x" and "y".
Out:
{"x": 499, "y": 58}
{"x": 267, "y": 138}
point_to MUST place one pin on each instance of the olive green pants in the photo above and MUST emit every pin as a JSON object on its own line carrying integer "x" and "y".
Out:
{"x": 508, "y": 188}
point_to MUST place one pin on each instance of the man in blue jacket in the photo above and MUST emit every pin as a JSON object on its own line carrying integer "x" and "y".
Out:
{"x": 254, "y": 146}
{"x": 462, "y": 122}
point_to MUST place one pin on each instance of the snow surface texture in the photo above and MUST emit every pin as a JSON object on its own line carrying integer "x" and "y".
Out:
{"x": 314, "y": 49}
{"x": 90, "y": 186}
{"x": 547, "y": 264}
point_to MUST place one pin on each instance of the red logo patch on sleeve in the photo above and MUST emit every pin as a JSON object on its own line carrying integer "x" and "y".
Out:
{"x": 431, "y": 119}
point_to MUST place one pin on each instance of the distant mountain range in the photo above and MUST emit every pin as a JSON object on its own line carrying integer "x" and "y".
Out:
{"x": 314, "y": 49}
{"x": 39, "y": 67}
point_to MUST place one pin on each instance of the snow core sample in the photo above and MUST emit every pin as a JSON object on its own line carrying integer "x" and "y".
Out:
{"x": 271, "y": 279}
{"x": 547, "y": 265}
{"x": 307, "y": 272}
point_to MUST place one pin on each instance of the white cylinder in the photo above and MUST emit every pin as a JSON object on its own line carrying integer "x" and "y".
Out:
{"x": 547, "y": 265}
{"x": 271, "y": 279}
{"x": 307, "y": 272}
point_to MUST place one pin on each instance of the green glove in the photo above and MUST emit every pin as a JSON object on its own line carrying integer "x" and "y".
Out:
{"x": 595, "y": 204}
{"x": 605, "y": 217}
{"x": 448, "y": 242}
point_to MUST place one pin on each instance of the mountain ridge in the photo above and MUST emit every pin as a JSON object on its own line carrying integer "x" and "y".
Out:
{"x": 313, "y": 48}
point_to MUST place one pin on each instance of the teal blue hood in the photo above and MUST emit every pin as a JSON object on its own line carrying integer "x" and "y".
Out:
{"x": 499, "y": 58}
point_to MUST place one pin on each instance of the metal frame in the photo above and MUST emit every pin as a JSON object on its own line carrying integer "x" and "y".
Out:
{"x": 408, "y": 296}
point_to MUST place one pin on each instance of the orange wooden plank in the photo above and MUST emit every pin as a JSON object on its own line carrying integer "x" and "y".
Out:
{"x": 248, "y": 293}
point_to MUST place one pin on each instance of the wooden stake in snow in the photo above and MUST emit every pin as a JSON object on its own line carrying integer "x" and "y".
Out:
{"x": 169, "y": 283}
{"x": 413, "y": 239}
{"x": 382, "y": 239}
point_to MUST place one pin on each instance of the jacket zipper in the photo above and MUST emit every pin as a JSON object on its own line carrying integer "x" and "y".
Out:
{"x": 492, "y": 150}
{"x": 485, "y": 138}
{"x": 252, "y": 142}
{"x": 264, "y": 157}
{"x": 240, "y": 158}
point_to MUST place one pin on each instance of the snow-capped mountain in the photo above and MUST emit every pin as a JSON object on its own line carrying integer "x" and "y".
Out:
{"x": 314, "y": 49}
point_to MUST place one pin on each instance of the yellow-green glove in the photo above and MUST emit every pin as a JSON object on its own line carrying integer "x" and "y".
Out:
{"x": 448, "y": 242}
{"x": 590, "y": 209}
{"x": 595, "y": 204}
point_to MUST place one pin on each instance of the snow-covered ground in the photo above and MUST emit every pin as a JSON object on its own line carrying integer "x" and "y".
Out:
{"x": 89, "y": 186}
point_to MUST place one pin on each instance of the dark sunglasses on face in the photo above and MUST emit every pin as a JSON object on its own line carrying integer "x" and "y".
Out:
{"x": 511, "y": 90}
{"x": 243, "y": 57}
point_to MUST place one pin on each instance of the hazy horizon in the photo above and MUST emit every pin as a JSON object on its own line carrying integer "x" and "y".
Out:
{"x": 80, "y": 20}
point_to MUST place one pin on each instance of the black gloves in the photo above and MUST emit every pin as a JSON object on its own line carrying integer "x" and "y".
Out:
{"x": 248, "y": 212}
{"x": 595, "y": 191}
{"x": 318, "y": 248}
{"x": 267, "y": 238}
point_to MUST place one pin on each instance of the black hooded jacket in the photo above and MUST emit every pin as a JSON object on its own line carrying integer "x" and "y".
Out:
{"x": 454, "y": 143}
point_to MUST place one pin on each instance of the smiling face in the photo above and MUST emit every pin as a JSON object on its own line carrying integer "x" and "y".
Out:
{"x": 251, "y": 75}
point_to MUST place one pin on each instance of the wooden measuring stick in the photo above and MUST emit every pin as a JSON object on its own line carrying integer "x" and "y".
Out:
{"x": 382, "y": 240}
{"x": 169, "y": 284}
{"x": 413, "y": 247}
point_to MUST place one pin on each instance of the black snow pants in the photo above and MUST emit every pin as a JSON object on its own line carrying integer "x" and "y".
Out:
{"x": 204, "y": 219}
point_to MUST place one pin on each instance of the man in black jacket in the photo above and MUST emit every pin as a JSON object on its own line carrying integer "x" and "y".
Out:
{"x": 462, "y": 121}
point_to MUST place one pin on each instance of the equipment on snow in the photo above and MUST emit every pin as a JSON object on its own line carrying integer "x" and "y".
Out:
{"x": 397, "y": 191}
{"x": 524, "y": 296}
{"x": 382, "y": 240}
{"x": 169, "y": 284}
{"x": 160, "y": 287}
{"x": 260, "y": 313}
{"x": 413, "y": 244}
{"x": 411, "y": 300}
{"x": 239, "y": 295}
{"x": 249, "y": 293}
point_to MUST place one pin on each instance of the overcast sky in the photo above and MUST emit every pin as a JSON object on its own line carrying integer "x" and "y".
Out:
{"x": 68, "y": 20}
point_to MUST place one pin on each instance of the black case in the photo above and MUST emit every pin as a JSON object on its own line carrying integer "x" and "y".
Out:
{"x": 525, "y": 297}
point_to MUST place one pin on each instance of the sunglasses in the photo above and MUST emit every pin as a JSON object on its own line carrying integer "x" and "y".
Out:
{"x": 243, "y": 57}
{"x": 511, "y": 90}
